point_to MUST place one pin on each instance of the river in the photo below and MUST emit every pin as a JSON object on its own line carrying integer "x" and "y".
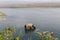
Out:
{"x": 45, "y": 19}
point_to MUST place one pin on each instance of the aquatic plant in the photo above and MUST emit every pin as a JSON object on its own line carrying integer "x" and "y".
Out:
{"x": 8, "y": 34}
{"x": 2, "y": 16}
{"x": 46, "y": 36}
{"x": 1, "y": 36}
{"x": 17, "y": 38}
{"x": 9, "y": 30}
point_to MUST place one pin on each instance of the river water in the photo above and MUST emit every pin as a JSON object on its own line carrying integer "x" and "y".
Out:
{"x": 45, "y": 19}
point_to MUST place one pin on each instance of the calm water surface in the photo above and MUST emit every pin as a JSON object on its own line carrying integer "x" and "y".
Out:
{"x": 45, "y": 19}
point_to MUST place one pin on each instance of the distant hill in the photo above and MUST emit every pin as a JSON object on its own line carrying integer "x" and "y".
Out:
{"x": 30, "y": 5}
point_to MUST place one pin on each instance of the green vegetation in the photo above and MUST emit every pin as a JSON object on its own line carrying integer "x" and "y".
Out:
{"x": 8, "y": 32}
{"x": 2, "y": 14}
{"x": 46, "y": 36}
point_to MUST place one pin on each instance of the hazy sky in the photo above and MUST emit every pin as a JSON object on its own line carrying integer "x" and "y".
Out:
{"x": 27, "y": 1}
